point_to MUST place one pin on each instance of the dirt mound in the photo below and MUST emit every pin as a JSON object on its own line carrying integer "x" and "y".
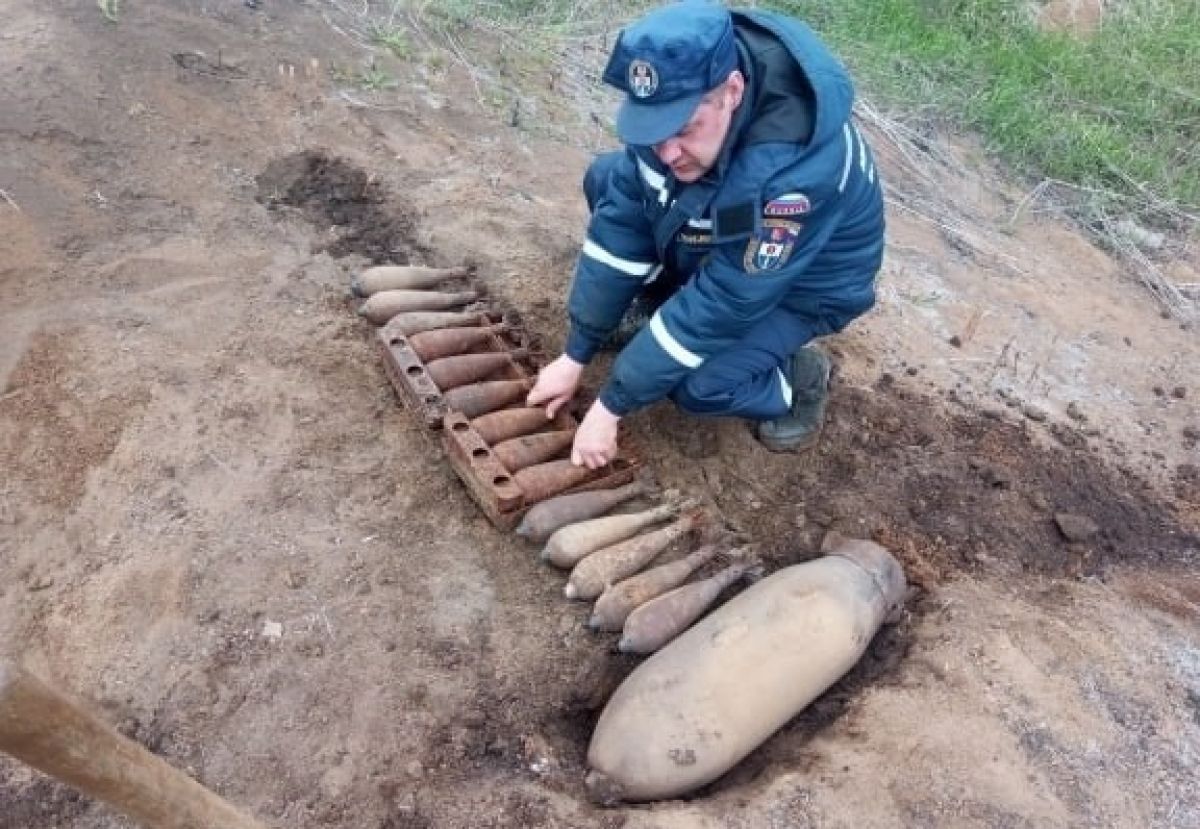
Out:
{"x": 955, "y": 489}
{"x": 329, "y": 191}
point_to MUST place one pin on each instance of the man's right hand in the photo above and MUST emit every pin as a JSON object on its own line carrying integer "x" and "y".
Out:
{"x": 556, "y": 384}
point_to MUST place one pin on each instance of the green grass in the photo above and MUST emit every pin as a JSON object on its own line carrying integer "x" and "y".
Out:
{"x": 392, "y": 38}
{"x": 370, "y": 77}
{"x": 1119, "y": 109}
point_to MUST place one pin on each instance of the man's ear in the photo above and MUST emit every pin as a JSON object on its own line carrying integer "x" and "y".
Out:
{"x": 735, "y": 84}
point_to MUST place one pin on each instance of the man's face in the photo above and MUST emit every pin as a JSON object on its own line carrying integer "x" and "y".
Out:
{"x": 693, "y": 151}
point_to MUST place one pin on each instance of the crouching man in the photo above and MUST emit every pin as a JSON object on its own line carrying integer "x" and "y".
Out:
{"x": 743, "y": 219}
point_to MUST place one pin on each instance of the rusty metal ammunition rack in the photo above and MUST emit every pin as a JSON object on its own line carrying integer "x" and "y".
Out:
{"x": 489, "y": 483}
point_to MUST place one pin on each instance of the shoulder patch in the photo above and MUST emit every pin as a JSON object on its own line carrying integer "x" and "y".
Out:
{"x": 771, "y": 247}
{"x": 789, "y": 204}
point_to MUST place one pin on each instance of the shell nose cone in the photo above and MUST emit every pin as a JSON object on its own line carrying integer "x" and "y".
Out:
{"x": 882, "y": 565}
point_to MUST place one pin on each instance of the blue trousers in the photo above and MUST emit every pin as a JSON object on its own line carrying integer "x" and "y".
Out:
{"x": 750, "y": 379}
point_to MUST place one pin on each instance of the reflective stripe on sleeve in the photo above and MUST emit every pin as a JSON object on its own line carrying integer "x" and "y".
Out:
{"x": 626, "y": 266}
{"x": 700, "y": 224}
{"x": 849, "y": 158}
{"x": 672, "y": 346}
{"x": 655, "y": 179}
{"x": 862, "y": 151}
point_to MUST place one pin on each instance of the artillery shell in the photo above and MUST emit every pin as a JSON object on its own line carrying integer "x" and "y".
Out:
{"x": 395, "y": 277}
{"x": 381, "y": 307}
{"x": 481, "y": 398}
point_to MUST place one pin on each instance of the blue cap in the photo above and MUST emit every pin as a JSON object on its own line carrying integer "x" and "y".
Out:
{"x": 665, "y": 63}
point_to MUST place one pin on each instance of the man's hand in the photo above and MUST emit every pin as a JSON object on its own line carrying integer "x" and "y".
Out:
{"x": 596, "y": 438}
{"x": 556, "y": 384}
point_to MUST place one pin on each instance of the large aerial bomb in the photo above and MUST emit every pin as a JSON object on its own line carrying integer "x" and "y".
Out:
{"x": 690, "y": 712}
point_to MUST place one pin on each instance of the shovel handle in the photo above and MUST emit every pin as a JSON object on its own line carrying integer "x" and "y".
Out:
{"x": 55, "y": 735}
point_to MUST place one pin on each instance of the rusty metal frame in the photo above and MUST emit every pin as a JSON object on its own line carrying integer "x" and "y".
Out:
{"x": 490, "y": 485}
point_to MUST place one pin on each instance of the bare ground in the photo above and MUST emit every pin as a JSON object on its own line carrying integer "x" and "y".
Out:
{"x": 197, "y": 438}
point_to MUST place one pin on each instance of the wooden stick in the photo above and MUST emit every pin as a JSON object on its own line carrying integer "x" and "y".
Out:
{"x": 55, "y": 735}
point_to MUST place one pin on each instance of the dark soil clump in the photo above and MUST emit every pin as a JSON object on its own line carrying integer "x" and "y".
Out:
{"x": 950, "y": 489}
{"x": 329, "y": 191}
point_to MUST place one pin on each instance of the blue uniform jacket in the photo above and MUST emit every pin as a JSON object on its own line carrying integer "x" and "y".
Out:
{"x": 791, "y": 216}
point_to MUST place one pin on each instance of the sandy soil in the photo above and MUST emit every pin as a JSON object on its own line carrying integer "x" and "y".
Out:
{"x": 197, "y": 441}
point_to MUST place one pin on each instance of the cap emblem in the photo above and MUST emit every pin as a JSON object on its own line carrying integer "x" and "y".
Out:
{"x": 643, "y": 79}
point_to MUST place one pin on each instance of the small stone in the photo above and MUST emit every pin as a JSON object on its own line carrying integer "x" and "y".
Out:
{"x": 1075, "y": 413}
{"x": 1158, "y": 391}
{"x": 272, "y": 630}
{"x": 1191, "y": 433}
{"x": 955, "y": 341}
{"x": 911, "y": 371}
{"x": 1076, "y": 528}
{"x": 536, "y": 753}
{"x": 294, "y": 579}
{"x": 1034, "y": 413}
{"x": 1179, "y": 392}
{"x": 41, "y": 583}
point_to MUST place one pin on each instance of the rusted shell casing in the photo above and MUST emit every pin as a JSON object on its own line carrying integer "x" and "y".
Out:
{"x": 480, "y": 398}
{"x": 540, "y": 482}
{"x": 381, "y": 307}
{"x": 452, "y": 372}
{"x": 664, "y": 617}
{"x": 528, "y": 450}
{"x": 398, "y": 277}
{"x": 611, "y": 564}
{"x": 496, "y": 427}
{"x": 541, "y": 521}
{"x": 414, "y": 322}
{"x": 615, "y": 604}
{"x": 447, "y": 342}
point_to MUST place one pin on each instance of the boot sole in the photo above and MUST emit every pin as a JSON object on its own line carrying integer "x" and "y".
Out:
{"x": 802, "y": 445}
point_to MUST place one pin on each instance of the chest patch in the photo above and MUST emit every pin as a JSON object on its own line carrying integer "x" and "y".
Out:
{"x": 771, "y": 247}
{"x": 787, "y": 205}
